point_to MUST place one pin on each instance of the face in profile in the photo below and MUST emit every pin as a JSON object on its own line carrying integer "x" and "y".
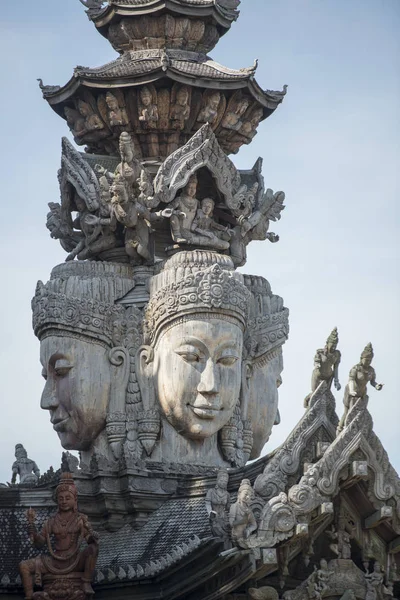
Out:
{"x": 197, "y": 375}
{"x": 264, "y": 378}
{"x": 77, "y": 389}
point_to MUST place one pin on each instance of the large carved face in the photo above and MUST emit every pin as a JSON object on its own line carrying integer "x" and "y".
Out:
{"x": 197, "y": 373}
{"x": 77, "y": 390}
{"x": 263, "y": 380}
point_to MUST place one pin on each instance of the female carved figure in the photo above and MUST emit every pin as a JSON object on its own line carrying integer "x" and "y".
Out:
{"x": 148, "y": 111}
{"x": 217, "y": 504}
{"x": 241, "y": 517}
{"x": 63, "y": 535}
{"x": 180, "y": 111}
{"x": 92, "y": 121}
{"x": 232, "y": 119}
{"x": 359, "y": 377}
{"x": 326, "y": 365}
{"x": 116, "y": 114}
{"x": 205, "y": 226}
{"x": 209, "y": 112}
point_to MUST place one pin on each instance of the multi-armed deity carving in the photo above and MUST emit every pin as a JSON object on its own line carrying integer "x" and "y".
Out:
{"x": 65, "y": 571}
{"x": 24, "y": 467}
{"x": 326, "y": 365}
{"x": 197, "y": 193}
{"x": 356, "y": 389}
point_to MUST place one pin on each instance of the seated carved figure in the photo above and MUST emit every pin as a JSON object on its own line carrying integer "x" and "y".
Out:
{"x": 241, "y": 517}
{"x": 65, "y": 565}
{"x": 26, "y": 468}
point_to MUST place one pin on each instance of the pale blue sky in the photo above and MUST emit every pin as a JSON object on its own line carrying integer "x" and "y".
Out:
{"x": 333, "y": 147}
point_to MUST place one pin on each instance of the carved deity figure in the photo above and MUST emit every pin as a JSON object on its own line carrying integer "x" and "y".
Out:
{"x": 24, "y": 467}
{"x": 148, "y": 111}
{"x": 63, "y": 535}
{"x": 75, "y": 122}
{"x": 249, "y": 127}
{"x": 318, "y": 582}
{"x": 190, "y": 368}
{"x": 196, "y": 226}
{"x": 326, "y": 365}
{"x": 92, "y": 120}
{"x": 233, "y": 117}
{"x": 209, "y": 112}
{"x": 341, "y": 545}
{"x": 117, "y": 115}
{"x": 374, "y": 581}
{"x": 205, "y": 226}
{"x": 359, "y": 377}
{"x": 217, "y": 504}
{"x": 241, "y": 517}
{"x": 180, "y": 111}
{"x": 185, "y": 207}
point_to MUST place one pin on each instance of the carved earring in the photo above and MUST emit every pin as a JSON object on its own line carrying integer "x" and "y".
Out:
{"x": 116, "y": 417}
{"x": 149, "y": 420}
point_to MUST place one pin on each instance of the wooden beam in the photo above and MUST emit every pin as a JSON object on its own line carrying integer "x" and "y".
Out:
{"x": 385, "y": 513}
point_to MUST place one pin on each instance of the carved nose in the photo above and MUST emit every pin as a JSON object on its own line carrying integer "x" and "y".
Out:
{"x": 209, "y": 382}
{"x": 48, "y": 400}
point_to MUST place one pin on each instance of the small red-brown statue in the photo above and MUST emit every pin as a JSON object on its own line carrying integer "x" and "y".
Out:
{"x": 66, "y": 572}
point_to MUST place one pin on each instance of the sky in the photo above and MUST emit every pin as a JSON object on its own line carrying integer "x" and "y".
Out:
{"x": 333, "y": 147}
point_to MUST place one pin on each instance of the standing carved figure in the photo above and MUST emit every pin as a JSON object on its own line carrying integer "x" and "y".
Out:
{"x": 26, "y": 468}
{"x": 180, "y": 111}
{"x": 241, "y": 517}
{"x": 148, "y": 111}
{"x": 341, "y": 545}
{"x": 185, "y": 207}
{"x": 318, "y": 583}
{"x": 326, "y": 365}
{"x": 217, "y": 504}
{"x": 209, "y": 112}
{"x": 233, "y": 118}
{"x": 374, "y": 581}
{"x": 359, "y": 377}
{"x": 67, "y": 566}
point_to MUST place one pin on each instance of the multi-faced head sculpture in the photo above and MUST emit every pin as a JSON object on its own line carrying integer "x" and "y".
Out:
{"x": 267, "y": 331}
{"x": 85, "y": 353}
{"x": 193, "y": 328}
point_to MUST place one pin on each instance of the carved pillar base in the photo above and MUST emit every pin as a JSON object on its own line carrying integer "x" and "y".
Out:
{"x": 62, "y": 587}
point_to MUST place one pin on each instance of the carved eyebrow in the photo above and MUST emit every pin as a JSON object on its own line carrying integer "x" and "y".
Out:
{"x": 62, "y": 363}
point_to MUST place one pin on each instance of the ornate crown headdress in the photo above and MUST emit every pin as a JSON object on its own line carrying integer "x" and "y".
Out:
{"x": 67, "y": 484}
{"x": 333, "y": 338}
{"x": 268, "y": 326}
{"x": 196, "y": 283}
{"x": 80, "y": 297}
{"x": 368, "y": 352}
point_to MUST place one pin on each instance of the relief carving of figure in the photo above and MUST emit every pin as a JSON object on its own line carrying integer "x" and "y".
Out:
{"x": 209, "y": 112}
{"x": 218, "y": 504}
{"x": 196, "y": 226}
{"x": 318, "y": 583}
{"x": 359, "y": 377}
{"x": 233, "y": 117}
{"x": 374, "y": 581}
{"x": 24, "y": 467}
{"x": 341, "y": 545}
{"x": 148, "y": 111}
{"x": 193, "y": 329}
{"x": 63, "y": 535}
{"x": 326, "y": 365}
{"x": 117, "y": 115}
{"x": 92, "y": 120}
{"x": 241, "y": 517}
{"x": 249, "y": 127}
{"x": 180, "y": 111}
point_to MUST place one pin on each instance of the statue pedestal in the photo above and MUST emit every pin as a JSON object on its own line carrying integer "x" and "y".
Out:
{"x": 62, "y": 587}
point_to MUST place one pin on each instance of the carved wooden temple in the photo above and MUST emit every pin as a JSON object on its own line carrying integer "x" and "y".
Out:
{"x": 163, "y": 362}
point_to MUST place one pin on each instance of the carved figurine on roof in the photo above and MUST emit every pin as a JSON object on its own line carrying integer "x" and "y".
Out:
{"x": 326, "y": 366}
{"x": 24, "y": 467}
{"x": 66, "y": 571}
{"x": 356, "y": 389}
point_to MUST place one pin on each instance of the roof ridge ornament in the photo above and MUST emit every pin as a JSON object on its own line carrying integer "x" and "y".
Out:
{"x": 93, "y": 6}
